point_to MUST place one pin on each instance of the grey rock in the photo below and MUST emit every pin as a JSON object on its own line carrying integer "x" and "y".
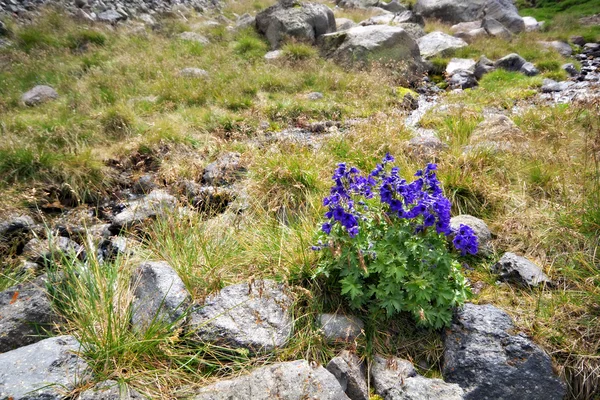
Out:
{"x": 25, "y": 315}
{"x": 561, "y": 47}
{"x": 357, "y": 3}
{"x": 344, "y": 23}
{"x": 212, "y": 200}
{"x": 529, "y": 69}
{"x": 273, "y": 54}
{"x": 496, "y": 29}
{"x": 294, "y": 380}
{"x": 110, "y": 390}
{"x": 393, "y": 6}
{"x": 383, "y": 43}
{"x": 531, "y": 24}
{"x": 425, "y": 147}
{"x": 156, "y": 203}
{"x": 194, "y": 37}
{"x": 245, "y": 21}
{"x": 396, "y": 19}
{"x": 252, "y": 316}
{"x": 147, "y": 19}
{"x": 489, "y": 362}
{"x": 302, "y": 21}
{"x": 577, "y": 40}
{"x": 43, "y": 370}
{"x": 455, "y": 11}
{"x": 517, "y": 269}
{"x": 462, "y": 80}
{"x": 496, "y": 129}
{"x": 224, "y": 171}
{"x": 414, "y": 30}
{"x": 314, "y": 96}
{"x": 38, "y": 95}
{"x": 570, "y": 69}
{"x": 340, "y": 327}
{"x": 549, "y": 85}
{"x": 460, "y": 64}
{"x": 145, "y": 184}
{"x": 510, "y": 62}
{"x": 472, "y": 35}
{"x": 421, "y": 388}
{"x": 193, "y": 73}
{"x": 15, "y": 225}
{"x": 111, "y": 17}
{"x": 118, "y": 246}
{"x": 463, "y": 27}
{"x": 438, "y": 44}
{"x": 44, "y": 251}
{"x": 159, "y": 294}
{"x": 350, "y": 373}
{"x": 480, "y": 228}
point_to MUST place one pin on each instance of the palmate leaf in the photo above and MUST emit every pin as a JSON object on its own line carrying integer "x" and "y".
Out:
{"x": 351, "y": 287}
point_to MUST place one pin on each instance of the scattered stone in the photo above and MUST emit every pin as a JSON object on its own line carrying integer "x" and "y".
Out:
{"x": 273, "y": 55}
{"x": 397, "y": 19}
{"x": 514, "y": 62}
{"x": 245, "y": 21}
{"x": 393, "y": 6}
{"x": 531, "y": 24}
{"x": 38, "y": 95}
{"x": 462, "y": 80}
{"x": 286, "y": 380}
{"x": 383, "y": 43}
{"x": 561, "y": 47}
{"x": 456, "y": 11}
{"x": 156, "y": 203}
{"x": 111, "y": 17}
{"x": 357, "y": 3}
{"x": 44, "y": 251}
{"x": 425, "y": 147}
{"x": 209, "y": 199}
{"x": 350, "y": 373}
{"x": 224, "y": 171}
{"x": 15, "y": 225}
{"x": 495, "y": 132}
{"x": 25, "y": 315}
{"x": 302, "y": 21}
{"x": 110, "y": 390}
{"x": 147, "y": 19}
{"x": 194, "y": 37}
{"x": 496, "y": 29}
{"x": 145, "y": 184}
{"x": 480, "y": 228}
{"x": 520, "y": 270}
{"x": 160, "y": 295}
{"x": 340, "y": 327}
{"x": 43, "y": 370}
{"x": 438, "y": 43}
{"x": 193, "y": 73}
{"x": 549, "y": 85}
{"x": 344, "y": 23}
{"x": 463, "y": 27}
{"x": 483, "y": 66}
{"x": 314, "y": 96}
{"x": 529, "y": 69}
{"x": 117, "y": 246}
{"x": 577, "y": 40}
{"x": 489, "y": 362}
{"x": 460, "y": 64}
{"x": 252, "y": 316}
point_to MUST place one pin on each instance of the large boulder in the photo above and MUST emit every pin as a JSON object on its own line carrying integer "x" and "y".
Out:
{"x": 376, "y": 43}
{"x": 489, "y": 362}
{"x": 302, "y": 21}
{"x": 25, "y": 314}
{"x": 517, "y": 269}
{"x": 293, "y": 380}
{"x": 396, "y": 379}
{"x": 43, "y": 370}
{"x": 38, "y": 95}
{"x": 455, "y": 11}
{"x": 350, "y": 373}
{"x": 438, "y": 44}
{"x": 253, "y": 316}
{"x": 160, "y": 295}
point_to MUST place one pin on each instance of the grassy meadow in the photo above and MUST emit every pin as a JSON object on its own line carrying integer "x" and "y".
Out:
{"x": 124, "y": 106}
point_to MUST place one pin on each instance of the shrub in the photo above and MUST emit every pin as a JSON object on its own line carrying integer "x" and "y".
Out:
{"x": 299, "y": 51}
{"x": 251, "y": 47}
{"x": 387, "y": 241}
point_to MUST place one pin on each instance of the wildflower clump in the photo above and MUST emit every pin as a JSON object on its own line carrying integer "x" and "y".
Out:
{"x": 385, "y": 242}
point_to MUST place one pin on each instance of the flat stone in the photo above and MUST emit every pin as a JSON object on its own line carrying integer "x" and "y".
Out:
{"x": 255, "y": 317}
{"x": 159, "y": 295}
{"x": 460, "y": 64}
{"x": 110, "y": 16}
{"x": 490, "y": 362}
{"x": 293, "y": 380}
{"x": 350, "y": 373}
{"x": 340, "y": 327}
{"x": 548, "y": 86}
{"x": 514, "y": 268}
{"x": 438, "y": 43}
{"x": 43, "y": 370}
{"x": 25, "y": 315}
{"x": 38, "y": 95}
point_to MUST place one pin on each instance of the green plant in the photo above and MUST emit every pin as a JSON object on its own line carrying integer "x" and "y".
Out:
{"x": 388, "y": 245}
{"x": 299, "y": 51}
{"x": 250, "y": 47}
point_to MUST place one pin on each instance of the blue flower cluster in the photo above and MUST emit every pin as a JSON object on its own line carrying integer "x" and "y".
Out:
{"x": 421, "y": 200}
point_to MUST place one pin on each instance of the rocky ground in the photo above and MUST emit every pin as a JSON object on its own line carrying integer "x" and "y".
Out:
{"x": 148, "y": 289}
